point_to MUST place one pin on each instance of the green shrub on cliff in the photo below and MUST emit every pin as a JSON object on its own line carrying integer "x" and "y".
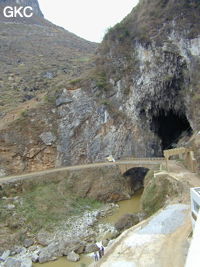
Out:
{"x": 157, "y": 189}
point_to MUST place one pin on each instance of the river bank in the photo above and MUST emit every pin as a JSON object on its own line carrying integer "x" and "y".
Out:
{"x": 79, "y": 234}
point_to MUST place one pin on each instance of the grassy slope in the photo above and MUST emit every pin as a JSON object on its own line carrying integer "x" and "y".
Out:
{"x": 38, "y": 57}
{"x": 45, "y": 206}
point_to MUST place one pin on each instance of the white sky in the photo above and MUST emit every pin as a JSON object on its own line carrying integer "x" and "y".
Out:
{"x": 86, "y": 18}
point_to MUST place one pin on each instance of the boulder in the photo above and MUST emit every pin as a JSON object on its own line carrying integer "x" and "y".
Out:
{"x": 48, "y": 138}
{"x": 35, "y": 257}
{"x": 45, "y": 256}
{"x": 5, "y": 255}
{"x": 106, "y": 231}
{"x": 51, "y": 252}
{"x": 66, "y": 247}
{"x": 63, "y": 100}
{"x": 91, "y": 248}
{"x": 34, "y": 248}
{"x": 81, "y": 248}
{"x": 26, "y": 262}
{"x": 28, "y": 243}
{"x": 43, "y": 238}
{"x": 21, "y": 250}
{"x": 10, "y": 262}
{"x": 126, "y": 221}
{"x": 73, "y": 257}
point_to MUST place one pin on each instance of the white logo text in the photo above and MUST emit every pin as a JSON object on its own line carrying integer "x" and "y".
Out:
{"x": 14, "y": 12}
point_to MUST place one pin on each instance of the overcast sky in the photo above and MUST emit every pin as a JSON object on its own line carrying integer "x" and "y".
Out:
{"x": 86, "y": 18}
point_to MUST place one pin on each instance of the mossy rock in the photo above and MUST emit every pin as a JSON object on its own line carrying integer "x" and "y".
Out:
{"x": 157, "y": 189}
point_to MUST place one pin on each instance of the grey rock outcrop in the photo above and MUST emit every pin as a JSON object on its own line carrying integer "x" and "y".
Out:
{"x": 64, "y": 98}
{"x": 28, "y": 243}
{"x": 26, "y": 262}
{"x": 10, "y": 262}
{"x": 48, "y": 138}
{"x": 128, "y": 220}
{"x": 50, "y": 252}
{"x": 146, "y": 81}
{"x": 91, "y": 248}
{"x": 43, "y": 238}
{"x": 73, "y": 257}
{"x": 66, "y": 247}
{"x": 5, "y": 255}
{"x": 79, "y": 142}
{"x": 35, "y": 257}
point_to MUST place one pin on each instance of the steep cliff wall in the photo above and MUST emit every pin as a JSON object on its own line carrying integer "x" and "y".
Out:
{"x": 37, "y": 58}
{"x": 145, "y": 90}
{"x": 144, "y": 93}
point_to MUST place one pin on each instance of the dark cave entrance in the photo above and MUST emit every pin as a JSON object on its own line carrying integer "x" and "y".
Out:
{"x": 170, "y": 127}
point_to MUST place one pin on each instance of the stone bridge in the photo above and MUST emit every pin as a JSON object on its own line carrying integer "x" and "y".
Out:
{"x": 123, "y": 165}
{"x": 102, "y": 181}
{"x": 149, "y": 163}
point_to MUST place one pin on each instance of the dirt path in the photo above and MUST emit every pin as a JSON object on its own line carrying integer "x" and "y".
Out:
{"x": 182, "y": 174}
{"x": 77, "y": 167}
{"x": 174, "y": 251}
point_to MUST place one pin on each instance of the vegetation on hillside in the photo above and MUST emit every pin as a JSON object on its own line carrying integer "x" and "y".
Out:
{"x": 37, "y": 59}
{"x": 44, "y": 207}
{"x": 151, "y": 19}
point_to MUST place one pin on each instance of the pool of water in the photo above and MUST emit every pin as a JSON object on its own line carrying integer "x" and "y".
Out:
{"x": 126, "y": 206}
{"x": 63, "y": 262}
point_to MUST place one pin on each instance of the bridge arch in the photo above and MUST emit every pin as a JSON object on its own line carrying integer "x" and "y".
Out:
{"x": 136, "y": 177}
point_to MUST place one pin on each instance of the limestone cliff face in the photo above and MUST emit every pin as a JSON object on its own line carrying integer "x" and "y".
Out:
{"x": 146, "y": 87}
{"x": 37, "y": 58}
{"x": 144, "y": 93}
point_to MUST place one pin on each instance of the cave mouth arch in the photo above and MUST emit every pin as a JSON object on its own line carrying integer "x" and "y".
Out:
{"x": 170, "y": 126}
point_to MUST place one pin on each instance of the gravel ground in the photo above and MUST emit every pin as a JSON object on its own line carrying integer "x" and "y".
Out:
{"x": 166, "y": 221}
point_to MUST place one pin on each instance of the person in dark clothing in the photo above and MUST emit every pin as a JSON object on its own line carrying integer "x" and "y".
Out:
{"x": 102, "y": 250}
{"x": 100, "y": 255}
{"x": 95, "y": 256}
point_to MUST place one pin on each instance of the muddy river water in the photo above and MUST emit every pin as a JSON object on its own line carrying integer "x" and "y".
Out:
{"x": 126, "y": 206}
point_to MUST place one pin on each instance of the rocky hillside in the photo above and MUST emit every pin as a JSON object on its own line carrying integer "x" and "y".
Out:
{"x": 142, "y": 96}
{"x": 37, "y": 56}
{"x": 33, "y": 3}
{"x": 145, "y": 89}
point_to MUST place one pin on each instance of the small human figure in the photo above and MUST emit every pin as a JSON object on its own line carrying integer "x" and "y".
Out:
{"x": 95, "y": 256}
{"x": 102, "y": 251}
{"x": 100, "y": 255}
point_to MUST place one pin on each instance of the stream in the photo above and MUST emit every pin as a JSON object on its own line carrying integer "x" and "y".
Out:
{"x": 126, "y": 206}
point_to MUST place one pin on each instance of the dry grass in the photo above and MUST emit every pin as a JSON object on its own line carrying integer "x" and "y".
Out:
{"x": 44, "y": 207}
{"x": 37, "y": 58}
